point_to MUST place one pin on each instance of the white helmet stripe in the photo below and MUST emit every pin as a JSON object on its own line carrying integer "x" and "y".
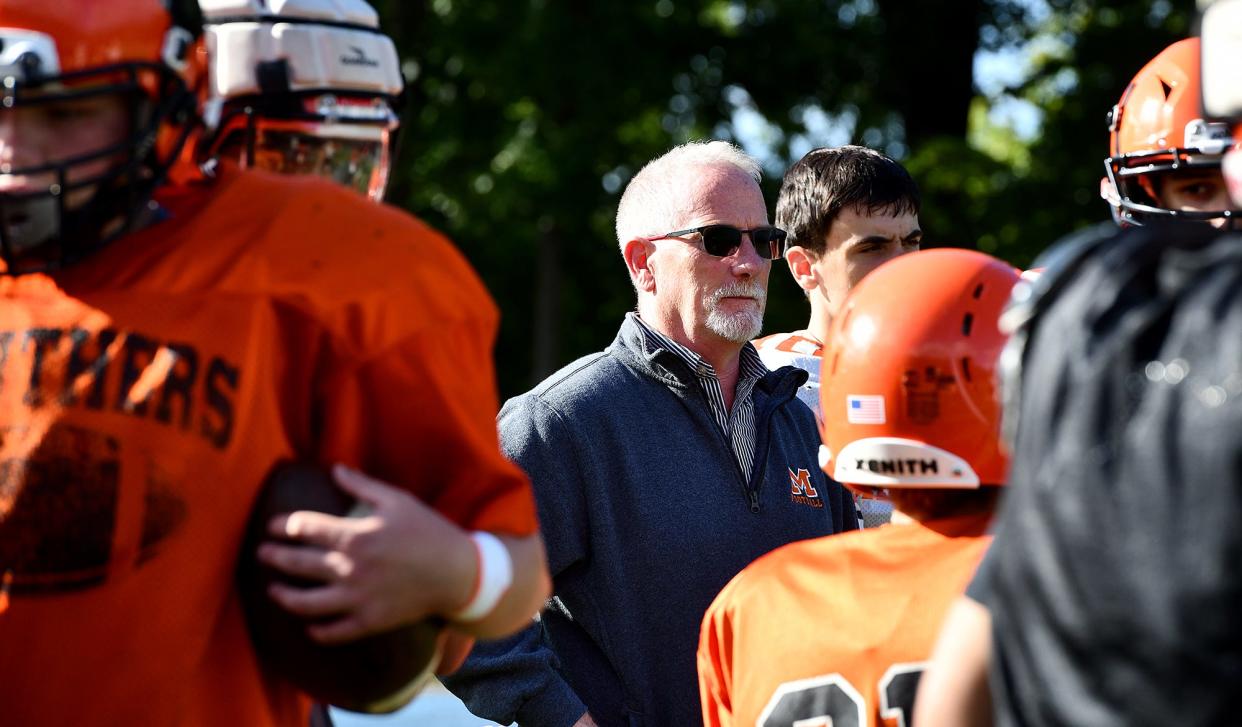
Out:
{"x": 897, "y": 462}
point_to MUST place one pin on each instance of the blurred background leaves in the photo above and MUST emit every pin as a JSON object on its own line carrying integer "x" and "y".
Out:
{"x": 527, "y": 117}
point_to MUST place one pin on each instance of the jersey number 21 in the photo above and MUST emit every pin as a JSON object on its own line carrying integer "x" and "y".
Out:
{"x": 836, "y": 702}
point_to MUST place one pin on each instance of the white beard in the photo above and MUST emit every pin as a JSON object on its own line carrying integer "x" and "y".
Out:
{"x": 741, "y": 326}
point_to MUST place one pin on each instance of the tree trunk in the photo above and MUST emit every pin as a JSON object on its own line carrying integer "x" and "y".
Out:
{"x": 928, "y": 76}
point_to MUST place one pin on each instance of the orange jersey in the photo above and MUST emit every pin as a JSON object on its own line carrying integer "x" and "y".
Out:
{"x": 145, "y": 394}
{"x": 799, "y": 351}
{"x": 793, "y": 345}
{"x": 834, "y": 630}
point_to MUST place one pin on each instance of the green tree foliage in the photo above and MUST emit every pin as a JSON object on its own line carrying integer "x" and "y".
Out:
{"x": 526, "y": 118}
{"x": 1095, "y": 49}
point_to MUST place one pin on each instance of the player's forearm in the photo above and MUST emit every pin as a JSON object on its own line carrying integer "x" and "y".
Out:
{"x": 953, "y": 691}
{"x": 526, "y": 594}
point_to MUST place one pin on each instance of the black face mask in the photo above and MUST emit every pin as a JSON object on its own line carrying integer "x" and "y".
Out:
{"x": 1134, "y": 205}
{"x": 64, "y": 212}
{"x": 291, "y": 133}
{"x": 358, "y": 163}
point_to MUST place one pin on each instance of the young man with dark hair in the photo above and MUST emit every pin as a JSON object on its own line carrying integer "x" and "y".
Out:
{"x": 847, "y": 211}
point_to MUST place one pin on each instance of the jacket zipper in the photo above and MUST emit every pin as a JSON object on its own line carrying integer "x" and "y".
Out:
{"x": 761, "y": 458}
{"x": 751, "y": 494}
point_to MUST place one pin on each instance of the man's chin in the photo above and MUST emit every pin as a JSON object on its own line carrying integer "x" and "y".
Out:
{"x": 738, "y": 328}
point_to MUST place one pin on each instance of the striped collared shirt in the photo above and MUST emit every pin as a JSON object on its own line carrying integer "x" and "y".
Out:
{"x": 738, "y": 425}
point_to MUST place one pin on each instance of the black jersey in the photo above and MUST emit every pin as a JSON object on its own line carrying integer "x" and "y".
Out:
{"x": 1115, "y": 579}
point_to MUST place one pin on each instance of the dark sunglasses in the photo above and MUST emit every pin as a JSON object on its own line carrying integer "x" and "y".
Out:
{"x": 724, "y": 240}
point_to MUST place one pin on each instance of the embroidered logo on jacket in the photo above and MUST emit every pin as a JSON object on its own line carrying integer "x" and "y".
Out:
{"x": 801, "y": 490}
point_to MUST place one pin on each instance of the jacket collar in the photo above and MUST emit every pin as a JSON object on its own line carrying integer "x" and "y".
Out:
{"x": 636, "y": 348}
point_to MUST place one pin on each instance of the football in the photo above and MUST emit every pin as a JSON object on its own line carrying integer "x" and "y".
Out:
{"x": 375, "y": 674}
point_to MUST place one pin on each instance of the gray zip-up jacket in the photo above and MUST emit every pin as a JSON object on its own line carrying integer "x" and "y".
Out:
{"x": 646, "y": 516}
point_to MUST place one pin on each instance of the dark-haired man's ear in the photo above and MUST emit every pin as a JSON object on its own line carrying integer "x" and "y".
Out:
{"x": 801, "y": 261}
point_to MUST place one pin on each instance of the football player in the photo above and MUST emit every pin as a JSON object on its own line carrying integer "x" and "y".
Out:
{"x": 304, "y": 88}
{"x": 159, "y": 359}
{"x": 301, "y": 87}
{"x": 1164, "y": 158}
{"x": 1109, "y": 595}
{"x": 835, "y": 630}
{"x": 1106, "y": 599}
{"x": 848, "y": 210}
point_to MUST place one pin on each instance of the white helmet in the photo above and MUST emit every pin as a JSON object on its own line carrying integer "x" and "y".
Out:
{"x": 301, "y": 87}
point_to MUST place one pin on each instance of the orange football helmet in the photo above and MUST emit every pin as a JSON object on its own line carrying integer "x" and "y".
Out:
{"x": 1158, "y": 128}
{"x": 56, "y": 56}
{"x": 908, "y": 391}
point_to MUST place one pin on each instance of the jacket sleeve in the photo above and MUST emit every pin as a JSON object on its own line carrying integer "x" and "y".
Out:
{"x": 518, "y": 679}
{"x": 515, "y": 680}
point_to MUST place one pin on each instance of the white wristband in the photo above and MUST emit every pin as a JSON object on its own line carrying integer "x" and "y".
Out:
{"x": 493, "y": 580}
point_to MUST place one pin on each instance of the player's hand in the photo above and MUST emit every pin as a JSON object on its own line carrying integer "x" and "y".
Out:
{"x": 400, "y": 562}
{"x": 586, "y": 721}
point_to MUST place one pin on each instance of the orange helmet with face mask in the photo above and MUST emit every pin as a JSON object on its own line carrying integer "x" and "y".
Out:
{"x": 1158, "y": 129}
{"x": 57, "y": 56}
{"x": 302, "y": 87}
{"x": 908, "y": 391}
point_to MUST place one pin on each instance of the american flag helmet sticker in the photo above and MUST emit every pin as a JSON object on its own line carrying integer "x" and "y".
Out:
{"x": 864, "y": 409}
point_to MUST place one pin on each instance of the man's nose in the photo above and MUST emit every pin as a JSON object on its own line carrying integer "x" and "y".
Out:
{"x": 747, "y": 260}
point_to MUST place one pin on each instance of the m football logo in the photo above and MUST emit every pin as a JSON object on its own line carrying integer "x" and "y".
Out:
{"x": 801, "y": 490}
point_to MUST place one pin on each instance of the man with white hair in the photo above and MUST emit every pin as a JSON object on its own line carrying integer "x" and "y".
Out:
{"x": 661, "y": 466}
